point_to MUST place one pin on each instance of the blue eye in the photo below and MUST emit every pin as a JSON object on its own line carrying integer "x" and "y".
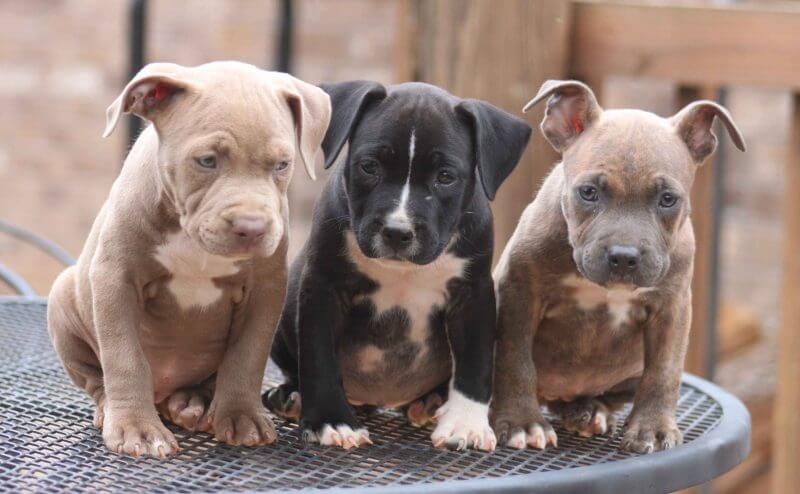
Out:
{"x": 209, "y": 162}
{"x": 281, "y": 166}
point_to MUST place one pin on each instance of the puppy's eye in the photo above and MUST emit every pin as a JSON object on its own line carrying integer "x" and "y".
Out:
{"x": 209, "y": 161}
{"x": 370, "y": 167}
{"x": 445, "y": 177}
{"x": 667, "y": 200}
{"x": 588, "y": 193}
{"x": 281, "y": 166}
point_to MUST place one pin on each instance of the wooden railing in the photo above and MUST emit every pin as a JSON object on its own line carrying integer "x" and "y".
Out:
{"x": 503, "y": 50}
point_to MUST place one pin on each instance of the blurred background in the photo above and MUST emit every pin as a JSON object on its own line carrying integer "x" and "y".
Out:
{"x": 62, "y": 62}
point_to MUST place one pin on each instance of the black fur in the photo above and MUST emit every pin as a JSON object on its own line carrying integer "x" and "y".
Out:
{"x": 328, "y": 316}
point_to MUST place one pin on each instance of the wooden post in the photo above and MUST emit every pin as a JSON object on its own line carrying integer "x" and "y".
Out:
{"x": 500, "y": 52}
{"x": 702, "y": 200}
{"x": 786, "y": 432}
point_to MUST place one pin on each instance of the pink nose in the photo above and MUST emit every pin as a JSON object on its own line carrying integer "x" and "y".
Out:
{"x": 249, "y": 228}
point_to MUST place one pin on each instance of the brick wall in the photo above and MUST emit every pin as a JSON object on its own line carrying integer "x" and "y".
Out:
{"x": 62, "y": 62}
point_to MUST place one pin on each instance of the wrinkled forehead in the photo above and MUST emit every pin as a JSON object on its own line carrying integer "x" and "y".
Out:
{"x": 246, "y": 108}
{"x": 633, "y": 147}
{"x": 433, "y": 122}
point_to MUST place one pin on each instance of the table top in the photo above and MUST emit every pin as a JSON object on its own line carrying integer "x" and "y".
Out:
{"x": 48, "y": 444}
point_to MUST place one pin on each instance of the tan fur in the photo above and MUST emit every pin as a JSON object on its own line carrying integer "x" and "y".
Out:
{"x": 563, "y": 338}
{"x": 165, "y": 308}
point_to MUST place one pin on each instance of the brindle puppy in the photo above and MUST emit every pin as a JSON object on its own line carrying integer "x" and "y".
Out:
{"x": 594, "y": 288}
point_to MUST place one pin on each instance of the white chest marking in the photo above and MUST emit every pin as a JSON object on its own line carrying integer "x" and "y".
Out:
{"x": 400, "y": 215}
{"x": 193, "y": 270}
{"x": 589, "y": 296}
{"x": 416, "y": 289}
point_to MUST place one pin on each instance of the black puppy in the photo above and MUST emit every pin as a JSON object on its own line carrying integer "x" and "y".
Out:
{"x": 392, "y": 295}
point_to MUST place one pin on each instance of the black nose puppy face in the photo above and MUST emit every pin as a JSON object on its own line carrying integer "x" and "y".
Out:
{"x": 409, "y": 175}
{"x": 415, "y": 155}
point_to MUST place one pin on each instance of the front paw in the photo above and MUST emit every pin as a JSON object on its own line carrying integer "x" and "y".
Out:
{"x": 247, "y": 425}
{"x": 521, "y": 426}
{"x": 339, "y": 435}
{"x": 136, "y": 435}
{"x": 463, "y": 423}
{"x": 645, "y": 433}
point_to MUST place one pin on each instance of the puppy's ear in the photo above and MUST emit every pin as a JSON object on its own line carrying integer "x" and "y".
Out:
{"x": 148, "y": 93}
{"x": 693, "y": 125}
{"x": 311, "y": 110}
{"x": 571, "y": 109}
{"x": 499, "y": 139}
{"x": 348, "y": 100}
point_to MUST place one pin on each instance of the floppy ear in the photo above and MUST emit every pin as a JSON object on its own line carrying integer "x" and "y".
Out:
{"x": 693, "y": 125}
{"x": 311, "y": 110}
{"x": 571, "y": 109}
{"x": 148, "y": 93}
{"x": 499, "y": 139}
{"x": 348, "y": 101}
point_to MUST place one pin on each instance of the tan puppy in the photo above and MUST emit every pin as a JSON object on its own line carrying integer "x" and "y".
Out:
{"x": 176, "y": 295}
{"x": 594, "y": 287}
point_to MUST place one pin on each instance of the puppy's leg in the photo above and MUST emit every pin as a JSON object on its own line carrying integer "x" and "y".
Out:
{"x": 130, "y": 424}
{"x": 516, "y": 415}
{"x": 284, "y": 400}
{"x": 326, "y": 416}
{"x": 463, "y": 421}
{"x": 76, "y": 355}
{"x": 651, "y": 426}
{"x": 189, "y": 407}
{"x": 238, "y": 416}
{"x": 422, "y": 412}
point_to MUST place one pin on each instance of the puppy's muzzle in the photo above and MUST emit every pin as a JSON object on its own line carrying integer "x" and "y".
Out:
{"x": 397, "y": 238}
{"x": 623, "y": 261}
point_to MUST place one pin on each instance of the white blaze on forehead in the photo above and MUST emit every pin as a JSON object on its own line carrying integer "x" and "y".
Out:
{"x": 399, "y": 217}
{"x": 589, "y": 296}
{"x": 193, "y": 270}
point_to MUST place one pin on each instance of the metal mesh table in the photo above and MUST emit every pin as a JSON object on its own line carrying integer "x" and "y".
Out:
{"x": 48, "y": 444}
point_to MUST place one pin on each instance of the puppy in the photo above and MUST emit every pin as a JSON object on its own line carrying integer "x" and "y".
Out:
{"x": 594, "y": 288}
{"x": 392, "y": 295}
{"x": 174, "y": 300}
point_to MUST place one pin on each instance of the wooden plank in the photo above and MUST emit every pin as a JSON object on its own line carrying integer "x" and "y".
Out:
{"x": 692, "y": 45}
{"x": 702, "y": 196}
{"x": 786, "y": 433}
{"x": 500, "y": 52}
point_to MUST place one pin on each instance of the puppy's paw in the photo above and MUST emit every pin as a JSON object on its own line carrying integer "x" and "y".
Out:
{"x": 341, "y": 435}
{"x": 585, "y": 416}
{"x": 137, "y": 436}
{"x": 283, "y": 401}
{"x": 423, "y": 411}
{"x": 648, "y": 433}
{"x": 188, "y": 408}
{"x": 519, "y": 428}
{"x": 463, "y": 423}
{"x": 243, "y": 425}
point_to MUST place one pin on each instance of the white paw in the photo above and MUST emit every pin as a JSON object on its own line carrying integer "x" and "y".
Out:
{"x": 463, "y": 423}
{"x": 535, "y": 437}
{"x": 342, "y": 436}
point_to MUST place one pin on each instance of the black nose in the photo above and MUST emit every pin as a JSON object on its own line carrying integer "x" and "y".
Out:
{"x": 623, "y": 259}
{"x": 398, "y": 238}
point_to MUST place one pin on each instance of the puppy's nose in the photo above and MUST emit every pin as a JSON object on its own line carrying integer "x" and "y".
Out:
{"x": 397, "y": 237}
{"x": 249, "y": 228}
{"x": 623, "y": 259}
